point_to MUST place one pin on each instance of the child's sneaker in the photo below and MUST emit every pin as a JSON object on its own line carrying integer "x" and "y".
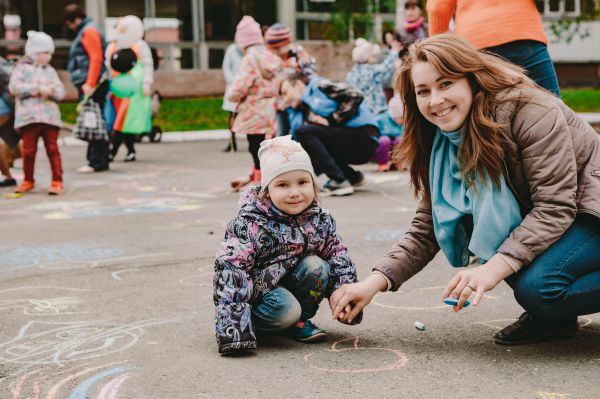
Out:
{"x": 306, "y": 331}
{"x": 24, "y": 187}
{"x": 56, "y": 188}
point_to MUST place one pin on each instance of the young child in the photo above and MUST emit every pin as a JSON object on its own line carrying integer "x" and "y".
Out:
{"x": 369, "y": 75}
{"x": 391, "y": 127}
{"x": 281, "y": 255}
{"x": 255, "y": 89}
{"x": 37, "y": 89}
{"x": 295, "y": 60}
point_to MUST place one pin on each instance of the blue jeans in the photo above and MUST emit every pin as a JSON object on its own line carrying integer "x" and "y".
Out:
{"x": 564, "y": 281}
{"x": 534, "y": 57}
{"x": 297, "y": 298}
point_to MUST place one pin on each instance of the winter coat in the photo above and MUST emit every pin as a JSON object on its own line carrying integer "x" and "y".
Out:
{"x": 30, "y": 108}
{"x": 260, "y": 246}
{"x": 339, "y": 103}
{"x": 231, "y": 65}
{"x": 370, "y": 80}
{"x": 552, "y": 162}
{"x": 256, "y": 89}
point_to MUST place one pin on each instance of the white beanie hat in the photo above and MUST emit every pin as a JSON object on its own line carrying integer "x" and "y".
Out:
{"x": 280, "y": 155}
{"x": 38, "y": 42}
{"x": 361, "y": 51}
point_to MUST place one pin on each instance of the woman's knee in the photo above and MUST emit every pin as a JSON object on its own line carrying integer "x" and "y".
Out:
{"x": 539, "y": 295}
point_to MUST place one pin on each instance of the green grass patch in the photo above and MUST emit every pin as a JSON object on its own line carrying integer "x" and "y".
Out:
{"x": 582, "y": 100}
{"x": 206, "y": 113}
{"x": 177, "y": 114}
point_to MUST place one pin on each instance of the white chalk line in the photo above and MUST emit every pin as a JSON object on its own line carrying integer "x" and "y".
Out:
{"x": 115, "y": 275}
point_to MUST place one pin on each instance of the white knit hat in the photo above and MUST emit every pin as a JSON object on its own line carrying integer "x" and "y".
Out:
{"x": 38, "y": 42}
{"x": 361, "y": 51}
{"x": 280, "y": 155}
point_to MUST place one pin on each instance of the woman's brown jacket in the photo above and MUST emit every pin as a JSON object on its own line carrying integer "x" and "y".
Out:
{"x": 552, "y": 165}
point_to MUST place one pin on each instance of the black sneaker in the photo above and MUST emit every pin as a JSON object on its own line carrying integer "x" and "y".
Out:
{"x": 529, "y": 330}
{"x": 130, "y": 157}
{"x": 8, "y": 183}
{"x": 333, "y": 187}
{"x": 358, "y": 179}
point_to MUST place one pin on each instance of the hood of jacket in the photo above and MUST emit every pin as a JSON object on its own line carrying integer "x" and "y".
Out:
{"x": 265, "y": 61}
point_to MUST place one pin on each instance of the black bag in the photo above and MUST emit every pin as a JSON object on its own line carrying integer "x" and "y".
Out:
{"x": 90, "y": 125}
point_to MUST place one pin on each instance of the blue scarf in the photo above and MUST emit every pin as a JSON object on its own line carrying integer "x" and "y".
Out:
{"x": 495, "y": 211}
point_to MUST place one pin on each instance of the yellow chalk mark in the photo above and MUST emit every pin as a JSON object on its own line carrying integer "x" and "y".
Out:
{"x": 553, "y": 395}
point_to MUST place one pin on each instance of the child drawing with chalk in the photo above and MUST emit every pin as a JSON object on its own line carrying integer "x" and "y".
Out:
{"x": 280, "y": 257}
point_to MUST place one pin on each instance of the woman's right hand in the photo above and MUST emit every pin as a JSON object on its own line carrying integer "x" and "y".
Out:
{"x": 357, "y": 295}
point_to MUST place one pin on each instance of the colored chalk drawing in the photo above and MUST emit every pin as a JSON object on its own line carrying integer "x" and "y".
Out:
{"x": 44, "y": 343}
{"x": 339, "y": 359}
{"x": 42, "y": 307}
{"x": 20, "y": 257}
{"x": 32, "y": 384}
{"x": 499, "y": 324}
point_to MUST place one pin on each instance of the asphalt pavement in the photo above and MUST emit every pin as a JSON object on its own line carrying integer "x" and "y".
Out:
{"x": 106, "y": 292}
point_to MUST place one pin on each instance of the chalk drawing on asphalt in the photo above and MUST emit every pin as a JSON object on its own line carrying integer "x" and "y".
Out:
{"x": 20, "y": 257}
{"x": 499, "y": 324}
{"x": 41, "y": 343}
{"x": 353, "y": 357}
{"x": 43, "y": 307}
{"x": 116, "y": 275}
{"x": 553, "y": 395}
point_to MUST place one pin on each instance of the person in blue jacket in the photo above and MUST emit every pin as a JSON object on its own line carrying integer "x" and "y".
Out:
{"x": 335, "y": 127}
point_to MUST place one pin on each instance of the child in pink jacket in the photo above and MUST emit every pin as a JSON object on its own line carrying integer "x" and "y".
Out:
{"x": 37, "y": 89}
{"x": 255, "y": 89}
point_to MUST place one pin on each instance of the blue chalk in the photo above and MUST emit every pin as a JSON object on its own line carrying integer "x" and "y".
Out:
{"x": 454, "y": 302}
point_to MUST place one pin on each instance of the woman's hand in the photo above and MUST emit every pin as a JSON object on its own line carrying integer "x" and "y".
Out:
{"x": 348, "y": 300}
{"x": 478, "y": 280}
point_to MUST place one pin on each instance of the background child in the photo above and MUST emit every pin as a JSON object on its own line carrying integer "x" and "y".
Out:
{"x": 281, "y": 255}
{"x": 391, "y": 126}
{"x": 255, "y": 89}
{"x": 37, "y": 89}
{"x": 370, "y": 76}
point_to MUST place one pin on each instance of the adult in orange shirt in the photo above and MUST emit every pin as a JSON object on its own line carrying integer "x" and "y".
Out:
{"x": 511, "y": 29}
{"x": 86, "y": 66}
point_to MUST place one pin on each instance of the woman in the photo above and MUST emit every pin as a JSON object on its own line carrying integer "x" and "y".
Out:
{"x": 505, "y": 171}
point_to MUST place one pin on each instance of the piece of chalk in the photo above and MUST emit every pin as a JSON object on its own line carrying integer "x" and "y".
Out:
{"x": 419, "y": 326}
{"x": 454, "y": 302}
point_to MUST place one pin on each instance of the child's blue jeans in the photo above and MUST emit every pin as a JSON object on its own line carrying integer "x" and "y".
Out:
{"x": 564, "y": 281}
{"x": 297, "y": 298}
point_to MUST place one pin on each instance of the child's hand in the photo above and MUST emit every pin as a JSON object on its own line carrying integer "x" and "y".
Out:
{"x": 45, "y": 91}
{"x": 343, "y": 315}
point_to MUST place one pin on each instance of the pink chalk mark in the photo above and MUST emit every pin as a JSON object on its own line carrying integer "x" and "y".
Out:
{"x": 111, "y": 389}
{"x": 20, "y": 382}
{"x": 36, "y": 390}
{"x": 401, "y": 362}
{"x": 56, "y": 387}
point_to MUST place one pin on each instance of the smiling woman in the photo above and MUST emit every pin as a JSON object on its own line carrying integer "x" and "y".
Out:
{"x": 504, "y": 171}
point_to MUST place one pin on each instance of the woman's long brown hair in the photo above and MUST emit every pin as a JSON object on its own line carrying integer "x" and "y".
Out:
{"x": 480, "y": 153}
